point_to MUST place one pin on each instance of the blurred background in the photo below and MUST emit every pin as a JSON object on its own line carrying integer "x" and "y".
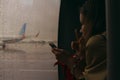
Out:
{"x": 31, "y": 58}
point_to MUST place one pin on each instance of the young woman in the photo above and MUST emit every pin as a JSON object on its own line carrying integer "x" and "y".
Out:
{"x": 90, "y": 57}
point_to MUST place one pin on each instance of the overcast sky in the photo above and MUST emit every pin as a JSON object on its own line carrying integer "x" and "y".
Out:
{"x": 40, "y": 16}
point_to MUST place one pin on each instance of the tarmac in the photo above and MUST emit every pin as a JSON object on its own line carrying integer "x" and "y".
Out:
{"x": 27, "y": 61}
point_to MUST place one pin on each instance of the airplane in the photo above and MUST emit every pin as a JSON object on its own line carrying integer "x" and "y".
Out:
{"x": 6, "y": 40}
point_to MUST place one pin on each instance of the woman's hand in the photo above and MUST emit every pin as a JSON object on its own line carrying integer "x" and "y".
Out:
{"x": 75, "y": 45}
{"x": 61, "y": 54}
{"x": 57, "y": 51}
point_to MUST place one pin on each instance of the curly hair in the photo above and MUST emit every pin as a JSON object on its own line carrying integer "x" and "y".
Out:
{"x": 95, "y": 20}
{"x": 95, "y": 23}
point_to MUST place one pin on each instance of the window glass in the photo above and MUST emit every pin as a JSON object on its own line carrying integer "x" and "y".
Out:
{"x": 26, "y": 28}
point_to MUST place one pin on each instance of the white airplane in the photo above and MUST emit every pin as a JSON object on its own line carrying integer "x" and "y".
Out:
{"x": 6, "y": 40}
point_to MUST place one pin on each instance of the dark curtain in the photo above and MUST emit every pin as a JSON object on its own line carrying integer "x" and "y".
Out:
{"x": 113, "y": 45}
{"x": 68, "y": 21}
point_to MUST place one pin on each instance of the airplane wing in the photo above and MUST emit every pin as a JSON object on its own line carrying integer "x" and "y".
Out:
{"x": 33, "y": 36}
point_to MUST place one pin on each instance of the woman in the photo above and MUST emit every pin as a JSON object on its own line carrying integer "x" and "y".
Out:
{"x": 90, "y": 57}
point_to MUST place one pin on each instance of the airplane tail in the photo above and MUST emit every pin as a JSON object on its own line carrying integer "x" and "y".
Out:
{"x": 22, "y": 31}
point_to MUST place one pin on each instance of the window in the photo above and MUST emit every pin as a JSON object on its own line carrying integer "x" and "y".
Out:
{"x": 26, "y": 28}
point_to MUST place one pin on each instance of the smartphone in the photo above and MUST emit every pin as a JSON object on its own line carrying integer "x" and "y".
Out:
{"x": 52, "y": 45}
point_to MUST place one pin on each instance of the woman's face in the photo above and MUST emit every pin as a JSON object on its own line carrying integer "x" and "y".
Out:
{"x": 82, "y": 20}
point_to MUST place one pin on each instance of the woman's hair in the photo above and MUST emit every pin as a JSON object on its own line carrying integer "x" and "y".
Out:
{"x": 94, "y": 13}
{"x": 95, "y": 23}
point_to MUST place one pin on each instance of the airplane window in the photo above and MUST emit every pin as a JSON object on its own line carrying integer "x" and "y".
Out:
{"x": 26, "y": 28}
